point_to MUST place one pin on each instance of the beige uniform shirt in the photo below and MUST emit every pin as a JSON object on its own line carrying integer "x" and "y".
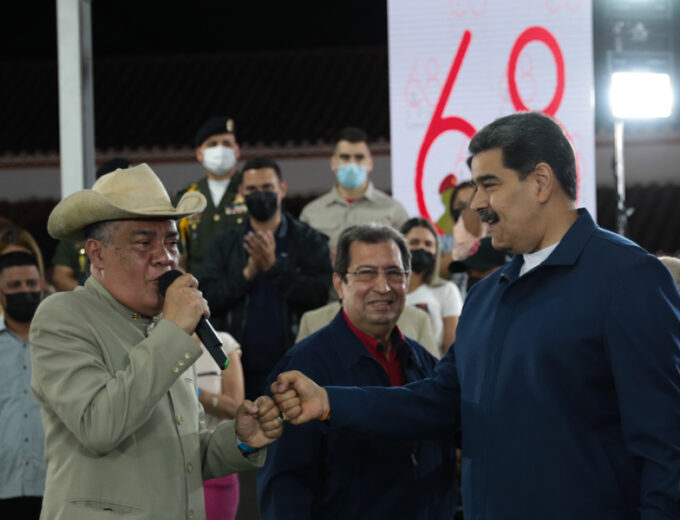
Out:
{"x": 124, "y": 432}
{"x": 330, "y": 213}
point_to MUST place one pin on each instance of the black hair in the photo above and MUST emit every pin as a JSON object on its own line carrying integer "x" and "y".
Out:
{"x": 351, "y": 134}
{"x": 18, "y": 258}
{"x": 422, "y": 222}
{"x": 526, "y": 139}
{"x": 370, "y": 234}
{"x": 261, "y": 161}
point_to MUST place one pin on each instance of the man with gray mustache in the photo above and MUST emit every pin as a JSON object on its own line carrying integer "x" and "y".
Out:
{"x": 565, "y": 374}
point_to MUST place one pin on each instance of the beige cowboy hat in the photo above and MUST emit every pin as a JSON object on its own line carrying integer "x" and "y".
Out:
{"x": 130, "y": 193}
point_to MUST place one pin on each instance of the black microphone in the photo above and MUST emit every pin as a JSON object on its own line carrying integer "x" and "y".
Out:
{"x": 204, "y": 330}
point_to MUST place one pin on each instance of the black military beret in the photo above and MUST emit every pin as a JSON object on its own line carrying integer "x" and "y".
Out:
{"x": 213, "y": 126}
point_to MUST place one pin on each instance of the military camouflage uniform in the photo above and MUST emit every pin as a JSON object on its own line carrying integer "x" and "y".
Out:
{"x": 197, "y": 232}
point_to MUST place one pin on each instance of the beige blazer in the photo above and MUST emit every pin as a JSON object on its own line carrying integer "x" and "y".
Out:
{"x": 414, "y": 323}
{"x": 124, "y": 432}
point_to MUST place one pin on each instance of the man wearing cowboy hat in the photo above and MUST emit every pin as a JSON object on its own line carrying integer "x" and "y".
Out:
{"x": 112, "y": 366}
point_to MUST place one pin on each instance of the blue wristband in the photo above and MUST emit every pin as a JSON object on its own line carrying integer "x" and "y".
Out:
{"x": 244, "y": 447}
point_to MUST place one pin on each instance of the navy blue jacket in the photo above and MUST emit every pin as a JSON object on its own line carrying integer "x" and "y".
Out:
{"x": 301, "y": 280}
{"x": 346, "y": 475}
{"x": 567, "y": 383}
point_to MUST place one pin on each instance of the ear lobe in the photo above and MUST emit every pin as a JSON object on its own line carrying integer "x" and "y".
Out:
{"x": 545, "y": 181}
{"x": 93, "y": 248}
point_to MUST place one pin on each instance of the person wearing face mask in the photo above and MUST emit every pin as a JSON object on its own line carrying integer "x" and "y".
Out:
{"x": 261, "y": 276}
{"x": 353, "y": 200}
{"x": 217, "y": 151}
{"x": 22, "y": 460}
{"x": 440, "y": 298}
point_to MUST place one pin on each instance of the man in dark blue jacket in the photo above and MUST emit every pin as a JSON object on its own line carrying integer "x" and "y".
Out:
{"x": 565, "y": 374}
{"x": 260, "y": 277}
{"x": 346, "y": 474}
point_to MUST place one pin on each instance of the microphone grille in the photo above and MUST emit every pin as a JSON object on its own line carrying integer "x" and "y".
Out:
{"x": 166, "y": 279}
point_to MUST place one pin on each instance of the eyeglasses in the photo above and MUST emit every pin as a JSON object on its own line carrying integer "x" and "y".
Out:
{"x": 393, "y": 275}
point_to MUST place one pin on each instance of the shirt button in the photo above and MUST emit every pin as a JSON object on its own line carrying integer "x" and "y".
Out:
{"x": 25, "y": 367}
{"x": 26, "y": 439}
{"x": 179, "y": 419}
{"x": 190, "y": 468}
{"x": 25, "y": 391}
{"x": 25, "y": 416}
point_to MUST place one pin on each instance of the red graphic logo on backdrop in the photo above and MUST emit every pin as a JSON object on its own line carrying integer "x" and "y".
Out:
{"x": 440, "y": 124}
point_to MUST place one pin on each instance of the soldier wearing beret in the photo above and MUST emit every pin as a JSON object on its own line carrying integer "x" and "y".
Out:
{"x": 218, "y": 151}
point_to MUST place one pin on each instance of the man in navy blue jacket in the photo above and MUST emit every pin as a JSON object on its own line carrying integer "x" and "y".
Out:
{"x": 565, "y": 374}
{"x": 346, "y": 474}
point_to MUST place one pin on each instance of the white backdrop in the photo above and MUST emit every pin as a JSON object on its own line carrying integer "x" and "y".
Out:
{"x": 456, "y": 65}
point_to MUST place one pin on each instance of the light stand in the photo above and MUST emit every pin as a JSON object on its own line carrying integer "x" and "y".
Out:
{"x": 622, "y": 213}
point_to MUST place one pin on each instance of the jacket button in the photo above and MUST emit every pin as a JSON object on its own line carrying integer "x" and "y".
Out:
{"x": 175, "y": 370}
{"x": 181, "y": 362}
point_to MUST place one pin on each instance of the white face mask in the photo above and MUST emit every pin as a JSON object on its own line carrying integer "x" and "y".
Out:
{"x": 219, "y": 159}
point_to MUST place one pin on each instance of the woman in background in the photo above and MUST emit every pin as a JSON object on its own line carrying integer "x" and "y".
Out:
{"x": 220, "y": 392}
{"x": 13, "y": 238}
{"x": 426, "y": 290}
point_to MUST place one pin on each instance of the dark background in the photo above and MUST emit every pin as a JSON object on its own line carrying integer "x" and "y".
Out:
{"x": 171, "y": 29}
{"x": 140, "y": 27}
{"x": 146, "y": 52}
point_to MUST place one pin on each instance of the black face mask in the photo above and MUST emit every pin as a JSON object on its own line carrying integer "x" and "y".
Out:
{"x": 421, "y": 261}
{"x": 21, "y": 306}
{"x": 262, "y": 205}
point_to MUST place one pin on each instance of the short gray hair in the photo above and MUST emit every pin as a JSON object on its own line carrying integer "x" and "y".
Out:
{"x": 369, "y": 234}
{"x": 101, "y": 231}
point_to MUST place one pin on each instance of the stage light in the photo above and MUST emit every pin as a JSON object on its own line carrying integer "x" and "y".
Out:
{"x": 641, "y": 95}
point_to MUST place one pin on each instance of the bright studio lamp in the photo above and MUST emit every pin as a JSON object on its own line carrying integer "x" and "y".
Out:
{"x": 641, "y": 95}
{"x": 635, "y": 94}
